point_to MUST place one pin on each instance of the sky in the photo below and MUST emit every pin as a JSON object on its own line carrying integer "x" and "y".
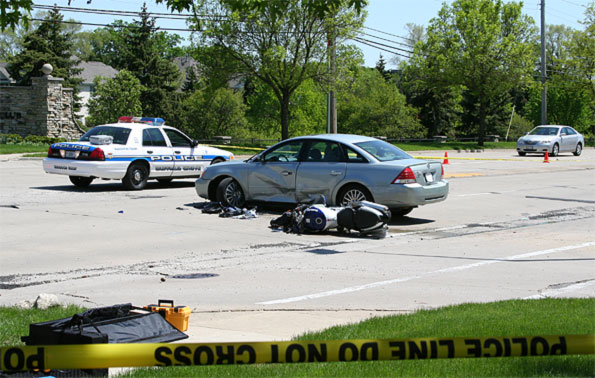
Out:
{"x": 385, "y": 24}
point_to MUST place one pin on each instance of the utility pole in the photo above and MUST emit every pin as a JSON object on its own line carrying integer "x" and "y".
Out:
{"x": 331, "y": 105}
{"x": 543, "y": 68}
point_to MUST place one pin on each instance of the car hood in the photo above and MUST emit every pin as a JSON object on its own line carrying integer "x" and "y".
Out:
{"x": 537, "y": 138}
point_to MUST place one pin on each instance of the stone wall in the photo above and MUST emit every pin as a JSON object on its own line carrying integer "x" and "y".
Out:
{"x": 44, "y": 108}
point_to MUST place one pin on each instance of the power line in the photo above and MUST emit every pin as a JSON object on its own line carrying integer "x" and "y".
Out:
{"x": 384, "y": 39}
{"x": 393, "y": 35}
{"x": 378, "y": 48}
{"x": 110, "y": 26}
{"x": 384, "y": 45}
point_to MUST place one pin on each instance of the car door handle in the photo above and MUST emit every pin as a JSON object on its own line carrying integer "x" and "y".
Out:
{"x": 149, "y": 152}
{"x": 336, "y": 173}
{"x": 287, "y": 173}
{"x": 177, "y": 152}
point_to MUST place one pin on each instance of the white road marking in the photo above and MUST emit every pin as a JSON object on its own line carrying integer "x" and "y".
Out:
{"x": 439, "y": 271}
{"x": 562, "y": 290}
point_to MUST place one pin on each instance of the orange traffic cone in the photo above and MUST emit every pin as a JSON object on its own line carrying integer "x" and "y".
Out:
{"x": 546, "y": 157}
{"x": 445, "y": 158}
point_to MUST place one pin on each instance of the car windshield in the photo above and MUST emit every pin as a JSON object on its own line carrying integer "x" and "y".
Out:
{"x": 383, "y": 151}
{"x": 544, "y": 131}
{"x": 120, "y": 134}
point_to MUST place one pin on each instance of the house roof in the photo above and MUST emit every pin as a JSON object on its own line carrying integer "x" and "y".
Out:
{"x": 93, "y": 69}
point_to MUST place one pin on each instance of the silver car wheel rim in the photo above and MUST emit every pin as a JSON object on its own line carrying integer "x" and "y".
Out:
{"x": 579, "y": 148}
{"x": 555, "y": 151}
{"x": 137, "y": 176}
{"x": 353, "y": 195}
{"x": 233, "y": 195}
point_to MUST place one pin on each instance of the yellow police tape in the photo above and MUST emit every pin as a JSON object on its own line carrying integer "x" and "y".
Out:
{"x": 100, "y": 356}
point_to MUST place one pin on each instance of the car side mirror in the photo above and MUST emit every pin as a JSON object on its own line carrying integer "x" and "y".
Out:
{"x": 194, "y": 143}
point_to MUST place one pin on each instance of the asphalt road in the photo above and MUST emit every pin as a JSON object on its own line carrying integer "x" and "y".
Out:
{"x": 512, "y": 227}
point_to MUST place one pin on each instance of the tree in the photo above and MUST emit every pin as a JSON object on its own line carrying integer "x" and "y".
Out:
{"x": 48, "y": 43}
{"x": 485, "y": 46}
{"x": 113, "y": 98}
{"x": 282, "y": 49}
{"x": 381, "y": 67}
{"x": 321, "y": 8}
{"x": 12, "y": 12}
{"x": 369, "y": 105}
{"x": 221, "y": 112}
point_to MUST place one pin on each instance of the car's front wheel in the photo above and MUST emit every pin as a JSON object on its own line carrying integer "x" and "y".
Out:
{"x": 230, "y": 193}
{"x": 354, "y": 193}
{"x": 136, "y": 177}
{"x": 81, "y": 182}
{"x": 217, "y": 160}
{"x": 578, "y": 150}
{"x": 555, "y": 149}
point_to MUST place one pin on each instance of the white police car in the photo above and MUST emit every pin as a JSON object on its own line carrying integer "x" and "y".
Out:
{"x": 133, "y": 150}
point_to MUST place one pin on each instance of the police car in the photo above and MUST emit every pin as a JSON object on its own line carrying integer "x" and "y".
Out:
{"x": 133, "y": 150}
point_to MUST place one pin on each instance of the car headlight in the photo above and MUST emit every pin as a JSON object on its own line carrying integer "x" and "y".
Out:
{"x": 546, "y": 141}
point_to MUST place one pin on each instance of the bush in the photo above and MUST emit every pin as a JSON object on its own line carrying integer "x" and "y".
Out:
{"x": 41, "y": 139}
{"x": 29, "y": 139}
{"x": 10, "y": 138}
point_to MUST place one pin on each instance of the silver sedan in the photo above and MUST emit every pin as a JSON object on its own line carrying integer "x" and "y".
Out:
{"x": 343, "y": 168}
{"x": 551, "y": 138}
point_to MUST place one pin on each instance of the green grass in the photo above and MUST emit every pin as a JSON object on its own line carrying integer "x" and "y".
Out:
{"x": 507, "y": 318}
{"x": 14, "y": 322}
{"x": 22, "y": 148}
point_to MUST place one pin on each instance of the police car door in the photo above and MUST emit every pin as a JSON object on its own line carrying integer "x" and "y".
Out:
{"x": 187, "y": 158}
{"x": 157, "y": 152}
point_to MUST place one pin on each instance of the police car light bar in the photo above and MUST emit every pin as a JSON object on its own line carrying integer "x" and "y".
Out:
{"x": 148, "y": 120}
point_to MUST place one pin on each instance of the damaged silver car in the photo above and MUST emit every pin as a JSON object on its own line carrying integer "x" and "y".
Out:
{"x": 344, "y": 168}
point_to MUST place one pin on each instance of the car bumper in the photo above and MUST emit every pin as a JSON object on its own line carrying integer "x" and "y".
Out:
{"x": 535, "y": 148}
{"x": 101, "y": 169}
{"x": 410, "y": 195}
{"x": 202, "y": 187}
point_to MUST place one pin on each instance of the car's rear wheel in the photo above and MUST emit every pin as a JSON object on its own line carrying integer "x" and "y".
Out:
{"x": 81, "y": 182}
{"x": 353, "y": 193}
{"x": 136, "y": 177}
{"x": 555, "y": 149}
{"x": 522, "y": 153}
{"x": 230, "y": 193}
{"x": 578, "y": 150}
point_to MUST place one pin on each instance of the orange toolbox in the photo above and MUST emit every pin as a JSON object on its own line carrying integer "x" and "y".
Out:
{"x": 176, "y": 315}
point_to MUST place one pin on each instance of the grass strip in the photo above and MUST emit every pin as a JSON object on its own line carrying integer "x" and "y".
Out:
{"x": 506, "y": 318}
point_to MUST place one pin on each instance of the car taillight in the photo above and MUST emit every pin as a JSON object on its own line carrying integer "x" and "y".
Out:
{"x": 97, "y": 154}
{"x": 50, "y": 151}
{"x": 442, "y": 173}
{"x": 405, "y": 177}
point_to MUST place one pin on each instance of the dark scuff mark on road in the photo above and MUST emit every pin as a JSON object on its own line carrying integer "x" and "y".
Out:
{"x": 561, "y": 199}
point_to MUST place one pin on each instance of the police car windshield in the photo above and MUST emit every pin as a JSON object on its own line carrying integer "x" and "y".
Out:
{"x": 383, "y": 151}
{"x": 120, "y": 134}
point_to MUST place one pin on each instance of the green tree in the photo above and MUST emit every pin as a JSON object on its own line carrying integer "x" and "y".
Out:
{"x": 48, "y": 43}
{"x": 221, "y": 112}
{"x": 369, "y": 105}
{"x": 14, "y": 12}
{"x": 485, "y": 46}
{"x": 114, "y": 98}
{"x": 281, "y": 49}
{"x": 381, "y": 67}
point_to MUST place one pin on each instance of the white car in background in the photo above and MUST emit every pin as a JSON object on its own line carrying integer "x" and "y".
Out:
{"x": 551, "y": 138}
{"x": 133, "y": 150}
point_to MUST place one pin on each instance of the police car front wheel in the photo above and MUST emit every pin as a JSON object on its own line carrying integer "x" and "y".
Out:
{"x": 81, "y": 182}
{"x": 136, "y": 177}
